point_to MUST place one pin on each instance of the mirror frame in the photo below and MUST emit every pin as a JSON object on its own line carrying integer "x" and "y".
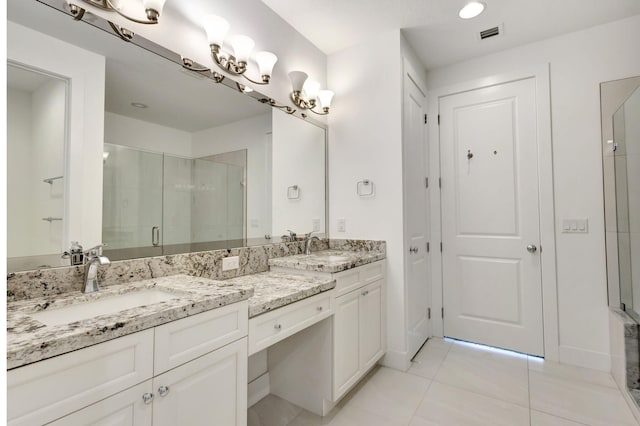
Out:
{"x": 129, "y": 37}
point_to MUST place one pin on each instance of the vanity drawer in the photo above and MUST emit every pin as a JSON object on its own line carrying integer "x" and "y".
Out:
{"x": 353, "y": 279}
{"x": 269, "y": 328}
{"x": 181, "y": 341}
{"x": 44, "y": 391}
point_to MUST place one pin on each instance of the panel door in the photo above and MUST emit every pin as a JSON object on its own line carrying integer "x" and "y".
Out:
{"x": 346, "y": 357}
{"x": 210, "y": 390}
{"x": 371, "y": 326}
{"x": 126, "y": 408}
{"x": 490, "y": 219}
{"x": 415, "y": 211}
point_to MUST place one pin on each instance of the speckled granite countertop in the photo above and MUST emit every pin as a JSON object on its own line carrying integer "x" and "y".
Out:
{"x": 328, "y": 260}
{"x": 274, "y": 290}
{"x": 29, "y": 340}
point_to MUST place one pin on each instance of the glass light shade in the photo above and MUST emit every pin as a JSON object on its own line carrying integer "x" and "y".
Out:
{"x": 156, "y": 5}
{"x": 242, "y": 47}
{"x": 311, "y": 89}
{"x": 297, "y": 80}
{"x": 216, "y": 28}
{"x": 266, "y": 61}
{"x": 325, "y": 97}
{"x": 471, "y": 10}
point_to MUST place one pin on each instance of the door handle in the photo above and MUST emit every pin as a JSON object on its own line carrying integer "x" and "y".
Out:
{"x": 531, "y": 248}
{"x": 413, "y": 250}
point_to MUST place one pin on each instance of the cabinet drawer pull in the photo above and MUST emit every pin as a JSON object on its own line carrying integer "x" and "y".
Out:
{"x": 319, "y": 308}
{"x": 163, "y": 390}
{"x": 147, "y": 398}
{"x": 278, "y": 326}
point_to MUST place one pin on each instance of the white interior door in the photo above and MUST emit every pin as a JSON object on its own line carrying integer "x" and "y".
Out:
{"x": 415, "y": 207}
{"x": 490, "y": 217}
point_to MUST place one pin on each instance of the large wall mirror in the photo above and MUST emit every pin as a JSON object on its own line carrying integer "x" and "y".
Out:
{"x": 187, "y": 164}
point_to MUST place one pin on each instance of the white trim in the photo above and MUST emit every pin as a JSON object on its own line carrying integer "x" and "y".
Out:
{"x": 546, "y": 197}
{"x": 584, "y": 358}
{"x": 396, "y": 360}
{"x": 258, "y": 389}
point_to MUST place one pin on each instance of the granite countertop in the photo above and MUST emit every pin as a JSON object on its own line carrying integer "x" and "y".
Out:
{"x": 328, "y": 260}
{"x": 28, "y": 340}
{"x": 273, "y": 290}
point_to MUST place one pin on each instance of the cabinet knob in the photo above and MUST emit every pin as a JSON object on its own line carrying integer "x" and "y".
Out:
{"x": 278, "y": 326}
{"x": 364, "y": 293}
{"x": 319, "y": 308}
{"x": 147, "y": 398}
{"x": 163, "y": 390}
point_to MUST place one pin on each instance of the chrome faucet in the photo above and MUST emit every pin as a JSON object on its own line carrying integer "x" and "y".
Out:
{"x": 92, "y": 258}
{"x": 308, "y": 240}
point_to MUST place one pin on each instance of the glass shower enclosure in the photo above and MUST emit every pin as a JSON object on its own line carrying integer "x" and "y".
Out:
{"x": 156, "y": 203}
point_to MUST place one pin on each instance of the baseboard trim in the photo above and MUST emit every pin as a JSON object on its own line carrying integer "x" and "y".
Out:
{"x": 258, "y": 389}
{"x": 583, "y": 358}
{"x": 396, "y": 360}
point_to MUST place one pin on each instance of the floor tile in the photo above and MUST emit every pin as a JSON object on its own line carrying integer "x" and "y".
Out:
{"x": 579, "y": 401}
{"x": 272, "y": 410}
{"x": 571, "y": 372}
{"x": 543, "y": 419}
{"x": 391, "y": 394}
{"x": 494, "y": 373}
{"x": 427, "y": 362}
{"x": 450, "y": 406}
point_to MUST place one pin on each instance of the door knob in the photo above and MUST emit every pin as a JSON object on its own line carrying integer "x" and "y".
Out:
{"x": 531, "y": 248}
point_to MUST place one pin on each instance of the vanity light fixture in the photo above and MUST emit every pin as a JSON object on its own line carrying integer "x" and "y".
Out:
{"x": 235, "y": 62}
{"x": 471, "y": 10}
{"x": 153, "y": 9}
{"x": 306, "y": 93}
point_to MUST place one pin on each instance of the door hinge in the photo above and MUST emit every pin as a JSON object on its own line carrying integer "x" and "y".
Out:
{"x": 428, "y": 313}
{"x": 440, "y": 246}
{"x": 425, "y": 119}
{"x": 426, "y": 182}
{"x": 442, "y": 312}
{"x": 438, "y": 119}
{"x": 428, "y": 247}
{"x": 440, "y": 183}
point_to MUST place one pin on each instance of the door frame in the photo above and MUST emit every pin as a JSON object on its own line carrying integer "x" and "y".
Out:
{"x": 545, "y": 195}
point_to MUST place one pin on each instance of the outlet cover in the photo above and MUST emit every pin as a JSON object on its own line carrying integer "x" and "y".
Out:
{"x": 229, "y": 263}
{"x": 342, "y": 225}
{"x": 316, "y": 224}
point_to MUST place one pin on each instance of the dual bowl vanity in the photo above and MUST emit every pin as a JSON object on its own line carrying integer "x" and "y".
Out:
{"x": 176, "y": 349}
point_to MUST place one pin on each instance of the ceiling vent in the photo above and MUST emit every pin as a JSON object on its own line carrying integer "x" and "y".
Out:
{"x": 490, "y": 32}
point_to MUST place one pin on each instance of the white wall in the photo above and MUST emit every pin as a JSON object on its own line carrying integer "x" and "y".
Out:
{"x": 251, "y": 134}
{"x": 578, "y": 63}
{"x": 298, "y": 159}
{"x": 85, "y": 72}
{"x": 365, "y": 142}
{"x": 127, "y": 131}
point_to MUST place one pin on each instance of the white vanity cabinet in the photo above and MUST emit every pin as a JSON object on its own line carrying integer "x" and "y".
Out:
{"x": 359, "y": 329}
{"x": 190, "y": 371}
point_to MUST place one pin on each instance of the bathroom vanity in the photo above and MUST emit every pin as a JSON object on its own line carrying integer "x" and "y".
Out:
{"x": 180, "y": 356}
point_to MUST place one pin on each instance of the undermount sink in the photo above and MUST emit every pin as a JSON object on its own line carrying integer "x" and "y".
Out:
{"x": 331, "y": 258}
{"x": 102, "y": 306}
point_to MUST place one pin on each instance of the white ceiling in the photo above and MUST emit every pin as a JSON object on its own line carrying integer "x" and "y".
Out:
{"x": 433, "y": 28}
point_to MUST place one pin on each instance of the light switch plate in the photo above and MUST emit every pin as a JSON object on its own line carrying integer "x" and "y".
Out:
{"x": 229, "y": 263}
{"x": 575, "y": 226}
{"x": 316, "y": 224}
{"x": 342, "y": 225}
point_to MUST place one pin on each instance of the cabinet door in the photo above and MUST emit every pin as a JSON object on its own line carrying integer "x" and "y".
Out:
{"x": 126, "y": 408}
{"x": 346, "y": 351}
{"x": 371, "y": 324}
{"x": 210, "y": 390}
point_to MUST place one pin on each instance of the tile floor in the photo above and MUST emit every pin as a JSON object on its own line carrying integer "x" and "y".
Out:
{"x": 454, "y": 383}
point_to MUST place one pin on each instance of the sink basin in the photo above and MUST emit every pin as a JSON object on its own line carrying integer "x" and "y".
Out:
{"x": 102, "y": 306}
{"x": 331, "y": 258}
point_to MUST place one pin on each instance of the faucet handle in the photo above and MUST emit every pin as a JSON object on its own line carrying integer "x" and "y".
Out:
{"x": 94, "y": 251}
{"x": 292, "y": 234}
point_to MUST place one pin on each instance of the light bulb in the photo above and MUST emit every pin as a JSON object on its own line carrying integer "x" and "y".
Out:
{"x": 242, "y": 47}
{"x": 216, "y": 28}
{"x": 471, "y": 10}
{"x": 311, "y": 89}
{"x": 266, "y": 61}
{"x": 324, "y": 98}
{"x": 297, "y": 80}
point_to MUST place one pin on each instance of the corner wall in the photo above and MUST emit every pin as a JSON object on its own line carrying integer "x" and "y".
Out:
{"x": 579, "y": 62}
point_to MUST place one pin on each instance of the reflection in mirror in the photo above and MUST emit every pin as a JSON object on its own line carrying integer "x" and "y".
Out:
{"x": 36, "y": 126}
{"x": 188, "y": 164}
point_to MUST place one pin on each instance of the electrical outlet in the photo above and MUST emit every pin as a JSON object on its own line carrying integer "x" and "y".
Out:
{"x": 342, "y": 225}
{"x": 316, "y": 224}
{"x": 229, "y": 263}
{"x": 255, "y": 223}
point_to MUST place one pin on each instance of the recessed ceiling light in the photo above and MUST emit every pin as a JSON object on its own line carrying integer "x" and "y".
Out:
{"x": 471, "y": 10}
{"x": 139, "y": 105}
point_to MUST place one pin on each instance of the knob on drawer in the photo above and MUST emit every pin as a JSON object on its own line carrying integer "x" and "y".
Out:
{"x": 278, "y": 326}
